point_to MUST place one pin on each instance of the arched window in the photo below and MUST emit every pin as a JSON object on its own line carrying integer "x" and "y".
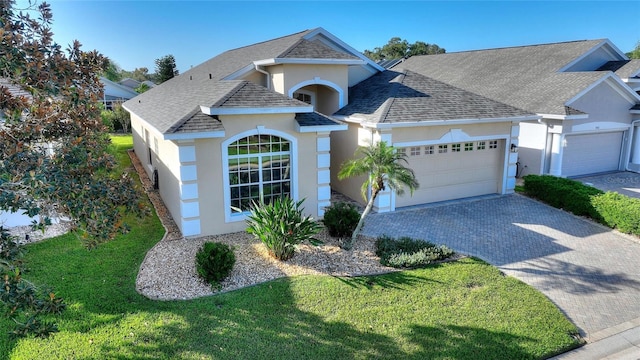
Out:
{"x": 258, "y": 167}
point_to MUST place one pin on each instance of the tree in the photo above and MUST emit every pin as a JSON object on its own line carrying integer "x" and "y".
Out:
{"x": 398, "y": 48}
{"x": 635, "y": 53}
{"x": 139, "y": 74}
{"x": 142, "y": 88}
{"x": 383, "y": 166}
{"x": 53, "y": 146}
{"x": 113, "y": 71}
{"x": 165, "y": 68}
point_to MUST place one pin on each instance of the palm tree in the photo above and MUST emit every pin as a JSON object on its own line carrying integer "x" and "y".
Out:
{"x": 384, "y": 167}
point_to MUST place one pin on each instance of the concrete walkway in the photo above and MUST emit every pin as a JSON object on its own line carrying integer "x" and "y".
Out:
{"x": 627, "y": 183}
{"x": 590, "y": 272}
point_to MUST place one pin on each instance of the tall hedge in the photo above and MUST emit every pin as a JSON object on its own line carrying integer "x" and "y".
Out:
{"x": 618, "y": 211}
{"x": 567, "y": 194}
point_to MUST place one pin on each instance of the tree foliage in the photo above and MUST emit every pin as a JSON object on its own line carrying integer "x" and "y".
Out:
{"x": 383, "y": 166}
{"x": 113, "y": 71}
{"x": 398, "y": 48}
{"x": 53, "y": 146}
{"x": 635, "y": 53}
{"x": 165, "y": 68}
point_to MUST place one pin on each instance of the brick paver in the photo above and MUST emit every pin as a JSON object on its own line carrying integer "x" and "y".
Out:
{"x": 590, "y": 272}
{"x": 627, "y": 183}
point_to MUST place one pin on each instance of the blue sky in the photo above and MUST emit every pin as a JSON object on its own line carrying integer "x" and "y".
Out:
{"x": 134, "y": 33}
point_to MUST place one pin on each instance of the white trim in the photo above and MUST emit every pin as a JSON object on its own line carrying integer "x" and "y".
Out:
{"x": 628, "y": 94}
{"x": 320, "y": 128}
{"x": 565, "y": 117}
{"x": 318, "y": 81}
{"x": 621, "y": 55}
{"x": 343, "y": 45}
{"x": 278, "y": 61}
{"x": 260, "y": 130}
{"x": 598, "y": 127}
{"x": 373, "y": 125}
{"x": 255, "y": 110}
{"x": 443, "y": 140}
{"x": 195, "y": 135}
{"x": 190, "y": 227}
{"x": 240, "y": 73}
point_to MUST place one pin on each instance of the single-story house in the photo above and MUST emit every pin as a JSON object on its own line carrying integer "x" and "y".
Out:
{"x": 281, "y": 116}
{"x": 257, "y": 122}
{"x": 115, "y": 92}
{"x": 584, "y": 91}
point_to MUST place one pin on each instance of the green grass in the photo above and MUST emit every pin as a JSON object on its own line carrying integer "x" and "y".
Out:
{"x": 460, "y": 310}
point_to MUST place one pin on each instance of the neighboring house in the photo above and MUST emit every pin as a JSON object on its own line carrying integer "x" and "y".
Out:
{"x": 280, "y": 117}
{"x": 115, "y": 92}
{"x": 585, "y": 92}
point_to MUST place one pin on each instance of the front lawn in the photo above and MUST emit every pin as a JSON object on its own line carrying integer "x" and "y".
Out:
{"x": 460, "y": 310}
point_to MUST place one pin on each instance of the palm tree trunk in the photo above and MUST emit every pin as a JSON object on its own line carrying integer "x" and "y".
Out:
{"x": 366, "y": 212}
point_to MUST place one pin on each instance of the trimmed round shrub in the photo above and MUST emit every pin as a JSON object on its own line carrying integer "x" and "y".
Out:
{"x": 341, "y": 219}
{"x": 214, "y": 262}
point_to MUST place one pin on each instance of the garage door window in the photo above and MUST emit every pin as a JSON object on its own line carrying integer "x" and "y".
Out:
{"x": 442, "y": 149}
{"x": 481, "y": 145}
{"x": 455, "y": 147}
{"x": 468, "y": 146}
{"x": 415, "y": 151}
{"x": 428, "y": 150}
{"x": 493, "y": 144}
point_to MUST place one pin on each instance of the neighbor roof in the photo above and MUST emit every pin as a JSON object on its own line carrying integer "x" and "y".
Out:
{"x": 623, "y": 68}
{"x": 526, "y": 77}
{"x": 405, "y": 96}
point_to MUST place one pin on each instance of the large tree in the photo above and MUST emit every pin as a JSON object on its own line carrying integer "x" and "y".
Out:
{"x": 165, "y": 68}
{"x": 635, "y": 53}
{"x": 398, "y": 48}
{"x": 53, "y": 146}
{"x": 383, "y": 166}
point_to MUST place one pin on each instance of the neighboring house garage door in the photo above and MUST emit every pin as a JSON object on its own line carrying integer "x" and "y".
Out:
{"x": 592, "y": 153}
{"x": 454, "y": 171}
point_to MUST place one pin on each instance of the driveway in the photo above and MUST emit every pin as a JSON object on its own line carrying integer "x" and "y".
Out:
{"x": 590, "y": 272}
{"x": 627, "y": 183}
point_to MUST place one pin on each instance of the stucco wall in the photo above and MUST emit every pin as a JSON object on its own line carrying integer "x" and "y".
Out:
{"x": 343, "y": 147}
{"x": 210, "y": 165}
{"x": 533, "y": 138}
{"x": 603, "y": 104}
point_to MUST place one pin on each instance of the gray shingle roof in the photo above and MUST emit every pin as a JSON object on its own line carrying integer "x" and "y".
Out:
{"x": 406, "y": 96}
{"x": 167, "y": 105}
{"x": 525, "y": 77}
{"x": 195, "y": 122}
{"x": 624, "y": 68}
{"x": 315, "y": 119}
{"x": 305, "y": 49}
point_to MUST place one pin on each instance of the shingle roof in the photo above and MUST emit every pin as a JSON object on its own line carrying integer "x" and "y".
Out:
{"x": 525, "y": 77}
{"x": 196, "y": 121}
{"x": 406, "y": 96}
{"x": 167, "y": 105}
{"x": 305, "y": 49}
{"x": 624, "y": 68}
{"x": 314, "y": 119}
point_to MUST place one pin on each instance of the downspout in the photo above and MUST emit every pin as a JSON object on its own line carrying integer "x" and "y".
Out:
{"x": 266, "y": 73}
{"x": 631, "y": 135}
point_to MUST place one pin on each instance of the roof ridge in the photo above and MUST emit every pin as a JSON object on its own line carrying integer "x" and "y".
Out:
{"x": 392, "y": 94}
{"x": 521, "y": 46}
{"x": 267, "y": 41}
{"x": 290, "y": 48}
{"x": 230, "y": 93}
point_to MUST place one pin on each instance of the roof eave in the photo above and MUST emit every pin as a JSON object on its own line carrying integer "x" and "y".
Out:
{"x": 320, "y": 128}
{"x": 374, "y": 125}
{"x": 195, "y": 135}
{"x": 565, "y": 117}
{"x": 309, "y": 61}
{"x": 254, "y": 110}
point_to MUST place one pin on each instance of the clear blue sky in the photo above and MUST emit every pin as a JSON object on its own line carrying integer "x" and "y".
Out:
{"x": 134, "y": 33}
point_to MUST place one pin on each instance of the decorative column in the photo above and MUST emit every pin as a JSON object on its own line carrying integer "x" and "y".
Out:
{"x": 512, "y": 159}
{"x": 635, "y": 149}
{"x": 323, "y": 147}
{"x": 557, "y": 144}
{"x": 386, "y": 199}
{"x": 189, "y": 202}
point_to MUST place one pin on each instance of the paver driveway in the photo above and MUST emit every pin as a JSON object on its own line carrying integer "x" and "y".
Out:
{"x": 590, "y": 272}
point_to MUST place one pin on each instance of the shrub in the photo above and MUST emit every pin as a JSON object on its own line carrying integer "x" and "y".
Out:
{"x": 406, "y": 252}
{"x": 214, "y": 262}
{"x": 567, "y": 194}
{"x": 341, "y": 219}
{"x": 281, "y": 226}
{"x": 618, "y": 211}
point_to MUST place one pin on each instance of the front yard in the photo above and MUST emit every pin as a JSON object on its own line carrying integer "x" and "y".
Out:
{"x": 460, "y": 310}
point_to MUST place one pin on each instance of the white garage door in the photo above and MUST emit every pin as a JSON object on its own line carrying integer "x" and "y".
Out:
{"x": 454, "y": 171}
{"x": 590, "y": 154}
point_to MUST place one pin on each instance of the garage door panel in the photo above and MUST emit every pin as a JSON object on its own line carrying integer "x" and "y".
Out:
{"x": 591, "y": 153}
{"x": 454, "y": 175}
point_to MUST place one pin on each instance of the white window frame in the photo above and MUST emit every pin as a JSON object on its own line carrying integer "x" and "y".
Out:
{"x": 493, "y": 144}
{"x": 481, "y": 145}
{"x": 443, "y": 148}
{"x": 415, "y": 151}
{"x": 456, "y": 147}
{"x": 293, "y": 149}
{"x": 468, "y": 146}
{"x": 311, "y": 94}
{"x": 429, "y": 150}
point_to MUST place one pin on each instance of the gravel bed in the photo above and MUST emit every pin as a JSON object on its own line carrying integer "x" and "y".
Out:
{"x": 168, "y": 271}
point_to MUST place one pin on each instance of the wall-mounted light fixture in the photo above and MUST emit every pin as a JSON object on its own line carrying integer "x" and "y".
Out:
{"x": 514, "y": 148}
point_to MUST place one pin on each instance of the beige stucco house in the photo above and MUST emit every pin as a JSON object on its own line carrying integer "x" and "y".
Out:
{"x": 279, "y": 118}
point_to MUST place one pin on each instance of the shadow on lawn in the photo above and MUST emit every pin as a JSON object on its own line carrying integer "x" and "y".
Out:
{"x": 393, "y": 280}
